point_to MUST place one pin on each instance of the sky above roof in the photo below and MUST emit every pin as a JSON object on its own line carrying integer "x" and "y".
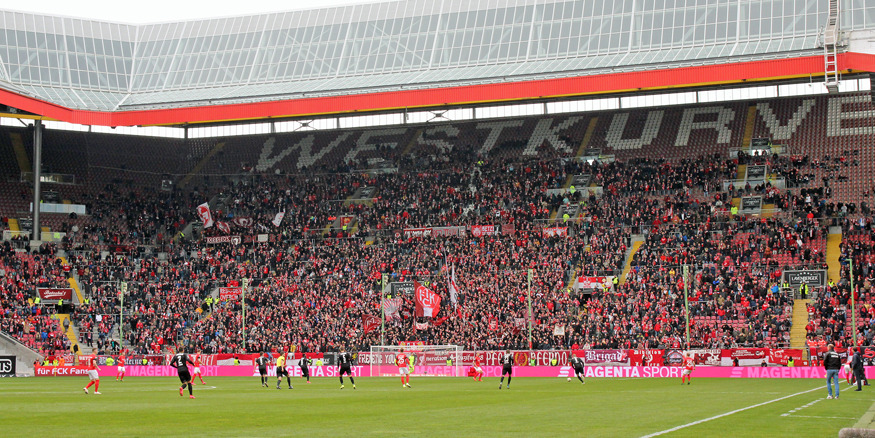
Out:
{"x": 156, "y": 11}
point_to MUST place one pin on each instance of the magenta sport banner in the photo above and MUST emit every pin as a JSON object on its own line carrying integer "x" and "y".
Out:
{"x": 488, "y": 371}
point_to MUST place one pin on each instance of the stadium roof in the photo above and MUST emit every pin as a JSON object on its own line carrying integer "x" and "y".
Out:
{"x": 398, "y": 54}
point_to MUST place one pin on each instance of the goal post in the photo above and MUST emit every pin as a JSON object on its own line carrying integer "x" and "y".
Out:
{"x": 426, "y": 360}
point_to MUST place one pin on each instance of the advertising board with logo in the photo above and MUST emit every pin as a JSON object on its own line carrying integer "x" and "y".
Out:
{"x": 814, "y": 278}
{"x": 51, "y": 295}
{"x": 7, "y": 366}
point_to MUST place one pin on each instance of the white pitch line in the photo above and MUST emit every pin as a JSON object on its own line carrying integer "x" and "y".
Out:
{"x": 807, "y": 405}
{"x": 815, "y": 416}
{"x": 726, "y": 414}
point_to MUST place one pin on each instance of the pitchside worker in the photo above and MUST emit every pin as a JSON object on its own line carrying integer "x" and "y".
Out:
{"x": 282, "y": 371}
{"x": 304, "y": 363}
{"x": 506, "y": 368}
{"x": 832, "y": 362}
{"x": 262, "y": 362}
{"x": 345, "y": 360}
{"x": 577, "y": 363}
{"x": 181, "y": 362}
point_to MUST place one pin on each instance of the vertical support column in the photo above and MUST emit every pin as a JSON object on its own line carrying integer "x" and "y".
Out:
{"x": 529, "y": 306}
{"x": 383, "y": 310}
{"x": 243, "y": 303}
{"x": 687, "y": 302}
{"x": 853, "y": 299}
{"x": 37, "y": 175}
{"x": 123, "y": 289}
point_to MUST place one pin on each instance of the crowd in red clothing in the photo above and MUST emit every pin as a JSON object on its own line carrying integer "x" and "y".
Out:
{"x": 311, "y": 283}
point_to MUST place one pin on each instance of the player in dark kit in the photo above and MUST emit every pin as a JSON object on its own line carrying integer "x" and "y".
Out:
{"x": 262, "y": 362}
{"x": 304, "y": 363}
{"x": 181, "y": 361}
{"x": 506, "y": 368}
{"x": 345, "y": 361}
{"x": 577, "y": 363}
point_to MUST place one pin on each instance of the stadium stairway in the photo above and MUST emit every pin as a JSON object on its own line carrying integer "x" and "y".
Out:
{"x": 203, "y": 162}
{"x": 72, "y": 332}
{"x": 637, "y": 242}
{"x": 833, "y": 252}
{"x": 415, "y": 138}
{"x": 13, "y": 224}
{"x": 749, "y": 123}
{"x": 590, "y": 129}
{"x": 800, "y": 320}
{"x": 20, "y": 152}
{"x": 72, "y": 281}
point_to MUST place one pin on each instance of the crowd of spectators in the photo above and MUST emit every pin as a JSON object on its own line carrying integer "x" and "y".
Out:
{"x": 831, "y": 311}
{"x": 33, "y": 324}
{"x": 316, "y": 277}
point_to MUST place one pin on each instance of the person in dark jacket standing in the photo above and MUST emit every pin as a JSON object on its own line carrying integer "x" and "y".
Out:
{"x": 857, "y": 366}
{"x": 833, "y": 363}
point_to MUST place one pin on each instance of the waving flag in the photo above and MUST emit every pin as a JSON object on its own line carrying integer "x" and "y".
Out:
{"x": 454, "y": 290}
{"x": 278, "y": 219}
{"x": 391, "y": 307}
{"x": 245, "y": 222}
{"x": 369, "y": 323}
{"x": 203, "y": 212}
{"x": 223, "y": 227}
{"x": 428, "y": 303}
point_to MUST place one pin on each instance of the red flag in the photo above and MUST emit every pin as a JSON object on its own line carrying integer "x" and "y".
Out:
{"x": 369, "y": 323}
{"x": 223, "y": 227}
{"x": 428, "y": 303}
{"x": 245, "y": 222}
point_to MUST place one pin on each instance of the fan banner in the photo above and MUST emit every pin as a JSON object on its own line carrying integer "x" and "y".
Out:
{"x": 428, "y": 303}
{"x": 483, "y": 230}
{"x": 555, "y": 231}
{"x": 223, "y": 227}
{"x": 203, "y": 212}
{"x": 781, "y": 356}
{"x": 245, "y": 222}
{"x": 229, "y": 293}
{"x": 586, "y": 282}
{"x": 708, "y": 357}
{"x": 651, "y": 357}
{"x": 745, "y": 356}
{"x": 223, "y": 239}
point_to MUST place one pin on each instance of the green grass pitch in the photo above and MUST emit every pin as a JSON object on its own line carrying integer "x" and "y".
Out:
{"x": 440, "y": 407}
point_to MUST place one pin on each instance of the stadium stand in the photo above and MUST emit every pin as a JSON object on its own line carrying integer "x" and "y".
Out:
{"x": 670, "y": 175}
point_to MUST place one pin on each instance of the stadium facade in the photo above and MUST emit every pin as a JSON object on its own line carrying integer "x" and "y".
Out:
{"x": 417, "y": 54}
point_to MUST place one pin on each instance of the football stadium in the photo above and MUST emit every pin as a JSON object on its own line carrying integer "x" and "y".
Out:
{"x": 626, "y": 218}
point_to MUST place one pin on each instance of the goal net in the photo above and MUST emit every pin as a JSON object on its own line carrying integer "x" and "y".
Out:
{"x": 425, "y": 360}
